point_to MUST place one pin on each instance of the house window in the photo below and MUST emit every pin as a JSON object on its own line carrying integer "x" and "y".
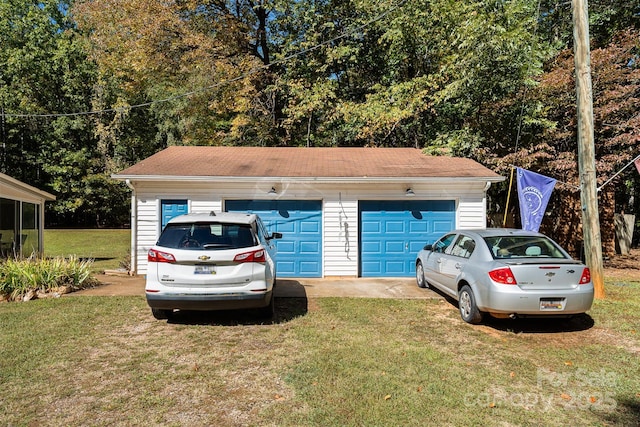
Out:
{"x": 29, "y": 236}
{"x": 8, "y": 225}
{"x": 19, "y": 234}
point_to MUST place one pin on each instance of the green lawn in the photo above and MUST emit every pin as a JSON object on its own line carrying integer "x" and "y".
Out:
{"x": 81, "y": 360}
{"x": 324, "y": 362}
{"x": 108, "y": 247}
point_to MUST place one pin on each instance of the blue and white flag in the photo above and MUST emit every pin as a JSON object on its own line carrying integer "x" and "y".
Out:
{"x": 534, "y": 192}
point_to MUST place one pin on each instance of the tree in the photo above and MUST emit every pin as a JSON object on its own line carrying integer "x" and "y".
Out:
{"x": 45, "y": 74}
{"x": 409, "y": 74}
{"x": 549, "y": 142}
{"x": 198, "y": 65}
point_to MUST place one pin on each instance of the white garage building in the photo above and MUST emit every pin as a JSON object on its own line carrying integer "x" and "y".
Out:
{"x": 343, "y": 212}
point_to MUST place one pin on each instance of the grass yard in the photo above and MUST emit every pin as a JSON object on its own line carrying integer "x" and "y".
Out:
{"x": 108, "y": 247}
{"x": 324, "y": 362}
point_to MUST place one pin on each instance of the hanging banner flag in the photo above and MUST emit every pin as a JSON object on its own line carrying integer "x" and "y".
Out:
{"x": 534, "y": 192}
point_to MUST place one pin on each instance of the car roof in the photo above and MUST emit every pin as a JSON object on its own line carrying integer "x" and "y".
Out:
{"x": 492, "y": 232}
{"x": 219, "y": 217}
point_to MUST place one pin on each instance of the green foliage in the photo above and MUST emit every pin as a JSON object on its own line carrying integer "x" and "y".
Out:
{"x": 454, "y": 78}
{"x": 606, "y": 19}
{"x": 462, "y": 143}
{"x": 403, "y": 75}
{"x": 44, "y": 69}
{"x": 19, "y": 276}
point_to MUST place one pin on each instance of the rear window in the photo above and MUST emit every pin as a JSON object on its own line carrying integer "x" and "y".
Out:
{"x": 523, "y": 247}
{"x": 207, "y": 236}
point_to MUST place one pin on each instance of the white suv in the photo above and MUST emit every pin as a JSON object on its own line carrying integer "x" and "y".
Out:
{"x": 215, "y": 261}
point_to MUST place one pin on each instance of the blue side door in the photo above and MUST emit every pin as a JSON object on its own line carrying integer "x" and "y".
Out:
{"x": 172, "y": 208}
{"x": 300, "y": 222}
{"x": 393, "y": 232}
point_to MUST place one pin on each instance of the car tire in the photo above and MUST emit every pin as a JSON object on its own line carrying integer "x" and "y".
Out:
{"x": 161, "y": 314}
{"x": 467, "y": 305}
{"x": 420, "y": 280}
{"x": 269, "y": 311}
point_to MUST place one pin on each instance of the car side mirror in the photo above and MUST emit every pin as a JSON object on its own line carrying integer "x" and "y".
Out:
{"x": 428, "y": 247}
{"x": 275, "y": 236}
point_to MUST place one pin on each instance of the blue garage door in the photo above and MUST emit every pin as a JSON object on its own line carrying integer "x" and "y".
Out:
{"x": 392, "y": 233}
{"x": 171, "y": 208}
{"x": 300, "y": 222}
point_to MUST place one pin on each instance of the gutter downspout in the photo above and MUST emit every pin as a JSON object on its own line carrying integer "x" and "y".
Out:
{"x": 484, "y": 201}
{"x": 134, "y": 229}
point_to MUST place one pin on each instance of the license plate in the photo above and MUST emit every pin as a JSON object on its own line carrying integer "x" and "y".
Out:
{"x": 552, "y": 304}
{"x": 205, "y": 269}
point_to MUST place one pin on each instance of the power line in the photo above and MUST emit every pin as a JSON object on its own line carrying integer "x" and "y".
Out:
{"x": 217, "y": 85}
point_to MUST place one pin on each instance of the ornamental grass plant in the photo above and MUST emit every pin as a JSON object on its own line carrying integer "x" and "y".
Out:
{"x": 28, "y": 278}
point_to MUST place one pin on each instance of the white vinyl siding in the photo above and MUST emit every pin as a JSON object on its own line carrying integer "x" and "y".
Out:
{"x": 340, "y": 237}
{"x": 340, "y": 220}
{"x": 471, "y": 213}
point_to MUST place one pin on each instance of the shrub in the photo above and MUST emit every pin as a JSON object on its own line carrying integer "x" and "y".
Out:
{"x": 21, "y": 276}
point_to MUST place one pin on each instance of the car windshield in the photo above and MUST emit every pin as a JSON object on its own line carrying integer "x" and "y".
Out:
{"x": 207, "y": 236}
{"x": 523, "y": 247}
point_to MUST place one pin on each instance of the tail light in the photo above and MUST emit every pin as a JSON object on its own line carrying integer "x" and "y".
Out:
{"x": 253, "y": 256}
{"x": 159, "y": 256}
{"x": 503, "y": 276}
{"x": 586, "y": 276}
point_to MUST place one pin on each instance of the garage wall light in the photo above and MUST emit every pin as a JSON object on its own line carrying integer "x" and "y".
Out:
{"x": 409, "y": 192}
{"x": 272, "y": 191}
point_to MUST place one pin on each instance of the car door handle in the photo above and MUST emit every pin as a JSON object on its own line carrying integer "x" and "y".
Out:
{"x": 458, "y": 266}
{"x": 439, "y": 260}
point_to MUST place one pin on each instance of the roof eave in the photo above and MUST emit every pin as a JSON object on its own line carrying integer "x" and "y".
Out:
{"x": 26, "y": 188}
{"x": 320, "y": 180}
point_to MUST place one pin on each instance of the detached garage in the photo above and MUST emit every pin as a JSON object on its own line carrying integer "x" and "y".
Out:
{"x": 343, "y": 212}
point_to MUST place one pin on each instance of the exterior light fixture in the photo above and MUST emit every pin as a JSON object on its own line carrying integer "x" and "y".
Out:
{"x": 409, "y": 192}
{"x": 272, "y": 191}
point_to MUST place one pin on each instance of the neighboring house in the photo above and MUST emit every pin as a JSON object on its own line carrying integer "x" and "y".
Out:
{"x": 21, "y": 217}
{"x": 343, "y": 212}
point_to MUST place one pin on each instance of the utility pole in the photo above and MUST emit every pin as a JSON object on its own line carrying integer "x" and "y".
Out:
{"x": 586, "y": 147}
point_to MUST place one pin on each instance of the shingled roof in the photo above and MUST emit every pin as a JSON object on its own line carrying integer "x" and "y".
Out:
{"x": 301, "y": 163}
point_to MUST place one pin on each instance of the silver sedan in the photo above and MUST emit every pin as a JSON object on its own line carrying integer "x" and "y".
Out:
{"x": 506, "y": 273}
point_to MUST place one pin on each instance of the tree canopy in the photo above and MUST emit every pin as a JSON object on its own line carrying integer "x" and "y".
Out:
{"x": 88, "y": 87}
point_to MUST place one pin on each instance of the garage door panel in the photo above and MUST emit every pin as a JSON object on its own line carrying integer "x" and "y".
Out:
{"x": 309, "y": 247}
{"x": 395, "y": 268}
{"x": 393, "y": 232}
{"x": 415, "y": 247}
{"x": 394, "y": 227}
{"x": 282, "y": 227}
{"x": 286, "y": 268}
{"x": 441, "y": 227}
{"x": 285, "y": 247}
{"x": 370, "y": 227}
{"x": 418, "y": 227}
{"x": 373, "y": 267}
{"x": 394, "y": 247}
{"x": 300, "y": 222}
{"x": 308, "y": 268}
{"x": 371, "y": 248}
{"x": 312, "y": 227}
{"x": 172, "y": 208}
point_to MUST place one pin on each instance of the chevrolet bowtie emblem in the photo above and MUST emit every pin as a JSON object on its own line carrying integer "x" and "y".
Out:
{"x": 204, "y": 257}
